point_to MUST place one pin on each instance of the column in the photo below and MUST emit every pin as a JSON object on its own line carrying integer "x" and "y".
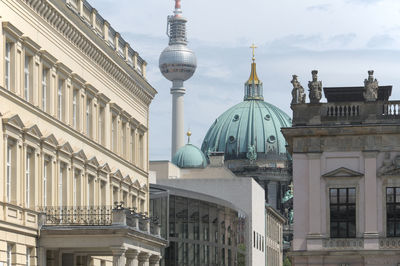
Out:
{"x": 52, "y": 91}
{"x": 144, "y": 259}
{"x": 154, "y": 260}
{"x": 370, "y": 201}
{"x": 118, "y": 256}
{"x": 132, "y": 257}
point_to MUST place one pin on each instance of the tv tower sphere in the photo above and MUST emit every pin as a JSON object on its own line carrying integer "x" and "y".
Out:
{"x": 177, "y": 63}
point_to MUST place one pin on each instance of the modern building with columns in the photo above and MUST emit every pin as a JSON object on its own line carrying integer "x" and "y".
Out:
{"x": 74, "y": 116}
{"x": 346, "y": 169}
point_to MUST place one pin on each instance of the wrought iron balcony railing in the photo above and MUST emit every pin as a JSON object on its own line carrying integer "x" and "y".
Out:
{"x": 82, "y": 215}
{"x": 99, "y": 216}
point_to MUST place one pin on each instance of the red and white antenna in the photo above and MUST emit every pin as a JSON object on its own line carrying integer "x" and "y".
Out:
{"x": 177, "y": 10}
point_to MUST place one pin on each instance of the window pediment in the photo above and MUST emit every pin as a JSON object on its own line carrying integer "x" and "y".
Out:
{"x": 66, "y": 147}
{"x": 128, "y": 179}
{"x": 93, "y": 161}
{"x": 117, "y": 174}
{"x": 343, "y": 172}
{"x": 14, "y": 121}
{"x": 80, "y": 155}
{"x": 136, "y": 184}
{"x": 34, "y": 131}
{"x": 105, "y": 168}
{"x": 51, "y": 140}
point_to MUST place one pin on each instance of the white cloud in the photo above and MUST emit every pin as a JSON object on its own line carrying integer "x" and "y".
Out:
{"x": 342, "y": 39}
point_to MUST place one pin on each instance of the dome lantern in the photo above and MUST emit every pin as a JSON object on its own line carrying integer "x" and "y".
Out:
{"x": 253, "y": 88}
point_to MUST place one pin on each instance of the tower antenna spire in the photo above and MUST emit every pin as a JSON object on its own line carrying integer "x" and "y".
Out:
{"x": 178, "y": 10}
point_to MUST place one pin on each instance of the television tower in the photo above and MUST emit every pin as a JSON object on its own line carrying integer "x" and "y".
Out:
{"x": 177, "y": 63}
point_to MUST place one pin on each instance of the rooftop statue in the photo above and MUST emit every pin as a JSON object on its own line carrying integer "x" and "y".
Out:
{"x": 371, "y": 87}
{"x": 298, "y": 95}
{"x": 315, "y": 88}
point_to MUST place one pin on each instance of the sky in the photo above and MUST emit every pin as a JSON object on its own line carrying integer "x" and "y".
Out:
{"x": 342, "y": 39}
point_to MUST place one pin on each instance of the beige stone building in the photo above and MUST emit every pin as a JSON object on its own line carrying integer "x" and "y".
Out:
{"x": 274, "y": 222}
{"x": 346, "y": 162}
{"x": 74, "y": 122}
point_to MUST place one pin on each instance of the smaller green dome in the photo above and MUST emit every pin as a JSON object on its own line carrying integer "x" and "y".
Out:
{"x": 189, "y": 156}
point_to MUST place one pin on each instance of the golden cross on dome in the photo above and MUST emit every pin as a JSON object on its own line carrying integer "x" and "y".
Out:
{"x": 253, "y": 47}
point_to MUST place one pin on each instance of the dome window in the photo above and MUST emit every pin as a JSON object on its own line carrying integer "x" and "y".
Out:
{"x": 236, "y": 118}
{"x": 232, "y": 139}
{"x": 271, "y": 139}
{"x": 267, "y": 117}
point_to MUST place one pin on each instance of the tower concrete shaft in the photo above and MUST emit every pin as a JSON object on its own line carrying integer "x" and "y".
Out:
{"x": 177, "y": 91}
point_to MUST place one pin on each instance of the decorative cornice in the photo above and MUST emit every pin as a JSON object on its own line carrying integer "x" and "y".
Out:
{"x": 135, "y": 83}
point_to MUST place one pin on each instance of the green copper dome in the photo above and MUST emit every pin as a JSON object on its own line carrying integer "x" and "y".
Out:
{"x": 189, "y": 156}
{"x": 250, "y": 129}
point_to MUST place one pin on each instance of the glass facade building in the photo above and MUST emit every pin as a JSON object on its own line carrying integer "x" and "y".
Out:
{"x": 202, "y": 230}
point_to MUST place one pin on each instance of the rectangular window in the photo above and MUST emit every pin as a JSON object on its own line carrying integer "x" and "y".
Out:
{"x": 342, "y": 212}
{"x": 28, "y": 256}
{"x": 46, "y": 183}
{"x": 90, "y": 192}
{"x": 9, "y": 172}
{"x": 60, "y": 185}
{"x": 393, "y": 211}
{"x": 60, "y": 99}
{"x": 77, "y": 188}
{"x": 28, "y": 177}
{"x": 115, "y": 195}
{"x": 132, "y": 145}
{"x": 123, "y": 140}
{"x": 114, "y": 133}
{"x": 44, "y": 89}
{"x": 89, "y": 117}
{"x": 141, "y": 151}
{"x": 10, "y": 260}
{"x": 7, "y": 59}
{"x": 27, "y": 78}
{"x": 101, "y": 125}
{"x": 75, "y": 109}
{"x": 103, "y": 193}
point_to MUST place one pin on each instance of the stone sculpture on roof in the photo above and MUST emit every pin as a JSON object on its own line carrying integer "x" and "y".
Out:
{"x": 315, "y": 88}
{"x": 370, "y": 87}
{"x": 298, "y": 95}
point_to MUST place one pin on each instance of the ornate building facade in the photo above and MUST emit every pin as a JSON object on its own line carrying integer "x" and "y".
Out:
{"x": 346, "y": 175}
{"x": 74, "y": 117}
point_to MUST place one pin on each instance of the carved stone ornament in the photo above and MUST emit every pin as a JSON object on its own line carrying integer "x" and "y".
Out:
{"x": 251, "y": 153}
{"x": 298, "y": 95}
{"x": 370, "y": 87}
{"x": 390, "y": 167}
{"x": 315, "y": 88}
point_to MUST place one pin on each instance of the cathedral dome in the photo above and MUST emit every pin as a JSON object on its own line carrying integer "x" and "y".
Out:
{"x": 189, "y": 156}
{"x": 251, "y": 129}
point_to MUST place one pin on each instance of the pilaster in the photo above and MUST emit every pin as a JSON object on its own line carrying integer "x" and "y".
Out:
{"x": 370, "y": 200}
{"x": 314, "y": 187}
{"x": 144, "y": 259}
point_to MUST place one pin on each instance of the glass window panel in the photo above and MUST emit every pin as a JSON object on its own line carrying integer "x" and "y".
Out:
{"x": 342, "y": 195}
{"x": 352, "y": 229}
{"x": 389, "y": 194}
{"x": 397, "y": 194}
{"x": 333, "y": 194}
{"x": 352, "y": 195}
{"x": 390, "y": 228}
{"x": 342, "y": 229}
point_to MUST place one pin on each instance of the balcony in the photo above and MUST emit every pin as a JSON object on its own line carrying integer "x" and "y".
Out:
{"x": 343, "y": 243}
{"x": 98, "y": 216}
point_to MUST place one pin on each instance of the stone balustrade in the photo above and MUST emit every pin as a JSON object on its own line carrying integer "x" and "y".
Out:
{"x": 341, "y": 113}
{"x": 389, "y": 243}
